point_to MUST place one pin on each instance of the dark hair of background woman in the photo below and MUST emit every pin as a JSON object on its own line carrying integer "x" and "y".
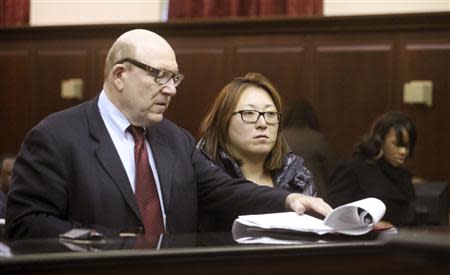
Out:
{"x": 301, "y": 114}
{"x": 372, "y": 141}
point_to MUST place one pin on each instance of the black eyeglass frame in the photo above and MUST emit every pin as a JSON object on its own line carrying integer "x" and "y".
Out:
{"x": 263, "y": 114}
{"x": 177, "y": 77}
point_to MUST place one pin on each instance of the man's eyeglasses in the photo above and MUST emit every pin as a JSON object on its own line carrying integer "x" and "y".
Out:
{"x": 161, "y": 76}
{"x": 252, "y": 116}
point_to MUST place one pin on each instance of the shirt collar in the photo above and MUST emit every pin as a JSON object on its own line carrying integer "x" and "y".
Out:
{"x": 110, "y": 112}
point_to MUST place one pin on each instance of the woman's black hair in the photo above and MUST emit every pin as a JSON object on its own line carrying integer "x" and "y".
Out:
{"x": 372, "y": 141}
{"x": 300, "y": 114}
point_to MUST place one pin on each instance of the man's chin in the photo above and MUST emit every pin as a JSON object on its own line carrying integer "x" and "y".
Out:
{"x": 154, "y": 118}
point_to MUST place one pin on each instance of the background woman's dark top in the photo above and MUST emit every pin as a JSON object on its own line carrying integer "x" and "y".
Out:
{"x": 360, "y": 178}
{"x": 317, "y": 152}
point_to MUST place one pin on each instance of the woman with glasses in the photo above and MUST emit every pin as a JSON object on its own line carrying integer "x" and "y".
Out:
{"x": 242, "y": 133}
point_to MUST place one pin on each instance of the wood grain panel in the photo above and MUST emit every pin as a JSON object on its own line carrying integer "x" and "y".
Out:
{"x": 52, "y": 67}
{"x": 353, "y": 85}
{"x": 14, "y": 93}
{"x": 351, "y": 68}
{"x": 204, "y": 73}
{"x": 98, "y": 69}
{"x": 430, "y": 61}
{"x": 99, "y": 50}
{"x": 286, "y": 66}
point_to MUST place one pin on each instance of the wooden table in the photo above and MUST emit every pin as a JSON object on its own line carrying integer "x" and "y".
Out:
{"x": 410, "y": 251}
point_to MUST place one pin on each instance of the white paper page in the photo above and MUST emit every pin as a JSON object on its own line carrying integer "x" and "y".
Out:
{"x": 285, "y": 220}
{"x": 245, "y": 234}
{"x": 356, "y": 218}
{"x": 266, "y": 240}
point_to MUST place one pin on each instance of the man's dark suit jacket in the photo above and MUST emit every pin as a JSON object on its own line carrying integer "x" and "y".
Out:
{"x": 69, "y": 174}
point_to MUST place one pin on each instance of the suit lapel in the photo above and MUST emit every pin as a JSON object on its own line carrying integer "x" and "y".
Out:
{"x": 108, "y": 157}
{"x": 164, "y": 159}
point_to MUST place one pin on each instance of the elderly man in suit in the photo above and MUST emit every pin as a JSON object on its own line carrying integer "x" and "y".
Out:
{"x": 115, "y": 165}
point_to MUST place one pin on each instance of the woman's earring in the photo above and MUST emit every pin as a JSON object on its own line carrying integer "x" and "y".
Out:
{"x": 380, "y": 154}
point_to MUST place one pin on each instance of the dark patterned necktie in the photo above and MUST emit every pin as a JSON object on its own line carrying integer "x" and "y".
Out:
{"x": 145, "y": 188}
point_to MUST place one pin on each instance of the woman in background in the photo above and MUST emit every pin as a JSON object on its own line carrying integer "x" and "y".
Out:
{"x": 377, "y": 169}
{"x": 241, "y": 133}
{"x": 302, "y": 133}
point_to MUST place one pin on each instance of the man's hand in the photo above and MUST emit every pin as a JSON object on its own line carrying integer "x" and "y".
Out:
{"x": 300, "y": 203}
{"x": 381, "y": 225}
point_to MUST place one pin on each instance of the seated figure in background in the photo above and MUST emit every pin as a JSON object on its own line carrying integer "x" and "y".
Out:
{"x": 6, "y": 167}
{"x": 242, "y": 133}
{"x": 302, "y": 133}
{"x": 377, "y": 169}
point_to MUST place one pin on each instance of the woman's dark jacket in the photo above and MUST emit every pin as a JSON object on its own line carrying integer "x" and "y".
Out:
{"x": 293, "y": 176}
{"x": 360, "y": 178}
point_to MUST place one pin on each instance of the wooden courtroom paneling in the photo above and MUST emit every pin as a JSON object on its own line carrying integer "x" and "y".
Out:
{"x": 283, "y": 60}
{"x": 98, "y": 70}
{"x": 205, "y": 72}
{"x": 14, "y": 92}
{"x": 99, "y": 50}
{"x": 430, "y": 60}
{"x": 353, "y": 85}
{"x": 53, "y": 65}
{"x": 351, "y": 68}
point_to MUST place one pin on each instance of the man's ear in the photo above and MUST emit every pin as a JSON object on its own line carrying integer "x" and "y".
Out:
{"x": 118, "y": 73}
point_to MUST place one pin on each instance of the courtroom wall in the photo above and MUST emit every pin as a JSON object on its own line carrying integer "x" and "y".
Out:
{"x": 351, "y": 68}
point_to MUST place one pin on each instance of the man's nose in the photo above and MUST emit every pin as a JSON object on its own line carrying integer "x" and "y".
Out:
{"x": 169, "y": 88}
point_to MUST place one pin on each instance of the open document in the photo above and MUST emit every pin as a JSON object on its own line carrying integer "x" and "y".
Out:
{"x": 356, "y": 218}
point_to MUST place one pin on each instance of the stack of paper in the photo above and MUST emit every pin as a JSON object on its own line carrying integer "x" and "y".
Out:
{"x": 356, "y": 218}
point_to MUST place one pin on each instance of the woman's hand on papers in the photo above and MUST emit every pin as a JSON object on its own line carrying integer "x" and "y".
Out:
{"x": 300, "y": 203}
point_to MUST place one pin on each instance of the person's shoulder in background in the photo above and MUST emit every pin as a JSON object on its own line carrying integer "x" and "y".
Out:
{"x": 304, "y": 140}
{"x": 2, "y": 207}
